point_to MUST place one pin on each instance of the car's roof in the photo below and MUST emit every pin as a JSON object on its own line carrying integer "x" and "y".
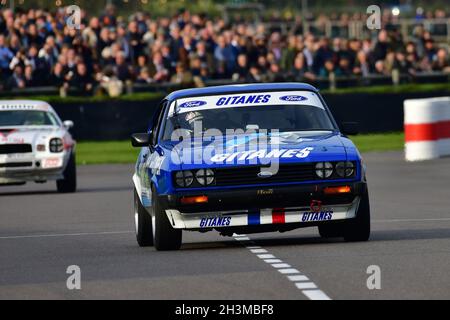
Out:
{"x": 240, "y": 88}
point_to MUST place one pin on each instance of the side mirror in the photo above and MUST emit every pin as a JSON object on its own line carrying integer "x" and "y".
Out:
{"x": 349, "y": 128}
{"x": 140, "y": 139}
{"x": 68, "y": 124}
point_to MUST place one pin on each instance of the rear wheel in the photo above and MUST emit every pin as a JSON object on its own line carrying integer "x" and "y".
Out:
{"x": 358, "y": 229}
{"x": 143, "y": 223}
{"x": 69, "y": 183}
{"x": 165, "y": 236}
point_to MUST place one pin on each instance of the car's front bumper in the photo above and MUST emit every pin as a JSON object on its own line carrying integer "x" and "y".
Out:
{"x": 305, "y": 204}
{"x": 29, "y": 167}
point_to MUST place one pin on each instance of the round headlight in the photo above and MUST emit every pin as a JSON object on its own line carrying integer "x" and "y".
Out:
{"x": 345, "y": 169}
{"x": 56, "y": 145}
{"x": 205, "y": 176}
{"x": 324, "y": 169}
{"x": 184, "y": 178}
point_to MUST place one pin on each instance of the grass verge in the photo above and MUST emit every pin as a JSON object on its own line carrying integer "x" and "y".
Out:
{"x": 113, "y": 152}
{"x": 379, "y": 141}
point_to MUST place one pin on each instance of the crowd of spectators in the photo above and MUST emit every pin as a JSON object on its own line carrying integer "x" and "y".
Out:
{"x": 108, "y": 52}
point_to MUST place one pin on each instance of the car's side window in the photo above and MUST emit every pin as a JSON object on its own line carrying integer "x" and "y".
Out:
{"x": 158, "y": 121}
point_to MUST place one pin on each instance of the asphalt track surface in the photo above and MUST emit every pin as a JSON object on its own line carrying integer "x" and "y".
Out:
{"x": 42, "y": 233}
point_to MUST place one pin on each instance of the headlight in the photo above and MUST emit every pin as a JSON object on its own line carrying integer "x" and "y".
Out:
{"x": 184, "y": 178}
{"x": 324, "y": 169}
{"x": 56, "y": 145}
{"x": 345, "y": 169}
{"x": 205, "y": 176}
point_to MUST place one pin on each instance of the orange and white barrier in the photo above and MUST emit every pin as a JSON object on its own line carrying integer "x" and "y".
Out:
{"x": 427, "y": 128}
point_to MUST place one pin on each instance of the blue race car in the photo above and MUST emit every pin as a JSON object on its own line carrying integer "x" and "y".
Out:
{"x": 245, "y": 159}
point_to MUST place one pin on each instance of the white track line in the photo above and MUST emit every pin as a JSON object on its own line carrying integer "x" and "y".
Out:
{"x": 410, "y": 220}
{"x": 302, "y": 282}
{"x": 66, "y": 235}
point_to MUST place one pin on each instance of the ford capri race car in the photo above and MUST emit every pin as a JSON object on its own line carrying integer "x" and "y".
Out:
{"x": 246, "y": 159}
{"x": 35, "y": 145}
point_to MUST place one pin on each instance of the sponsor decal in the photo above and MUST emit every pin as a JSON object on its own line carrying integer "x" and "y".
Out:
{"x": 6, "y": 132}
{"x": 241, "y": 100}
{"x": 14, "y": 107}
{"x": 317, "y": 216}
{"x": 192, "y": 104}
{"x": 264, "y": 192}
{"x": 316, "y": 205}
{"x": 215, "y": 222}
{"x": 263, "y": 154}
{"x": 14, "y": 140}
{"x": 292, "y": 98}
{"x": 52, "y": 163}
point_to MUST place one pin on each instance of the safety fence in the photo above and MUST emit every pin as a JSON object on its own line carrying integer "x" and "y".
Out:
{"x": 332, "y": 82}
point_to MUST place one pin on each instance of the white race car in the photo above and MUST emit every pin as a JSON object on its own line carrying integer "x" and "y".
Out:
{"x": 35, "y": 145}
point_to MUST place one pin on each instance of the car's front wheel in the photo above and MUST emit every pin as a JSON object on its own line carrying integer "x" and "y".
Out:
{"x": 69, "y": 183}
{"x": 143, "y": 223}
{"x": 331, "y": 230}
{"x": 165, "y": 236}
{"x": 358, "y": 229}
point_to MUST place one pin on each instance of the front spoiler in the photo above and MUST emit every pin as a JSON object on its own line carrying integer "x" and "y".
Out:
{"x": 270, "y": 216}
{"x": 31, "y": 175}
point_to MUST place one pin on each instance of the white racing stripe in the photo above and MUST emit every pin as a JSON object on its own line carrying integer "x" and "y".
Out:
{"x": 302, "y": 282}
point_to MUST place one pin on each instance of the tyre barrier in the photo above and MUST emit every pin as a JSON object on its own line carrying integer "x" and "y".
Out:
{"x": 427, "y": 128}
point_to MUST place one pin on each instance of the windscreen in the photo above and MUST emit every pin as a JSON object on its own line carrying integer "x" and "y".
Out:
{"x": 27, "y": 118}
{"x": 284, "y": 118}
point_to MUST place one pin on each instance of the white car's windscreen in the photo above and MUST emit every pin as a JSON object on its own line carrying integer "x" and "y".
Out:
{"x": 255, "y": 99}
{"x": 12, "y": 118}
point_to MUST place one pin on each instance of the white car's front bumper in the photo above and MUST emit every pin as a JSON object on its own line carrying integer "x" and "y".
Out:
{"x": 19, "y": 168}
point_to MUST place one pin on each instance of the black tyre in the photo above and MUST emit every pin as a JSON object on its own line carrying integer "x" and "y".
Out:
{"x": 331, "y": 230}
{"x": 69, "y": 183}
{"x": 165, "y": 236}
{"x": 358, "y": 229}
{"x": 143, "y": 223}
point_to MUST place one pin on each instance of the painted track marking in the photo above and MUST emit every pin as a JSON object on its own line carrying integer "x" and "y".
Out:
{"x": 66, "y": 235}
{"x": 302, "y": 282}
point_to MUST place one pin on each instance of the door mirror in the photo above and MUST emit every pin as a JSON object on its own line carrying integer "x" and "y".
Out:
{"x": 141, "y": 139}
{"x": 349, "y": 128}
{"x": 68, "y": 124}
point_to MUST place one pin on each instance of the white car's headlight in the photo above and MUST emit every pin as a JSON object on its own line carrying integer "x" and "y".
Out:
{"x": 56, "y": 145}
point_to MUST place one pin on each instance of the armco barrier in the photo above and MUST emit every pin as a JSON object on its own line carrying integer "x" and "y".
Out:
{"x": 117, "y": 119}
{"x": 427, "y": 128}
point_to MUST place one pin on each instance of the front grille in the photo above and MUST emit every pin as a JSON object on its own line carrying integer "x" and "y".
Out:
{"x": 16, "y": 165}
{"x": 15, "y": 148}
{"x": 249, "y": 175}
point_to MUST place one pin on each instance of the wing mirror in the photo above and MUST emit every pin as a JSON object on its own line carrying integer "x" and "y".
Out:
{"x": 349, "y": 128}
{"x": 141, "y": 139}
{"x": 68, "y": 124}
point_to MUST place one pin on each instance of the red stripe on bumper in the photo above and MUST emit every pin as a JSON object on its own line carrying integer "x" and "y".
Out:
{"x": 278, "y": 216}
